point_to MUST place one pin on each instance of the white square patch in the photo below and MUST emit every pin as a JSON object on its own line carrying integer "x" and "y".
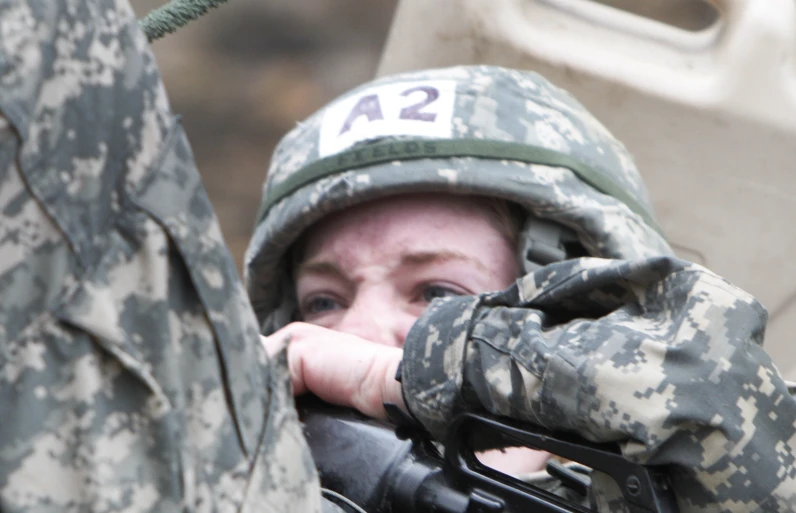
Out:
{"x": 422, "y": 108}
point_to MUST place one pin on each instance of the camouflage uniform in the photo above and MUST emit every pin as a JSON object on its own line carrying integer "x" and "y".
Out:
{"x": 132, "y": 377}
{"x": 628, "y": 345}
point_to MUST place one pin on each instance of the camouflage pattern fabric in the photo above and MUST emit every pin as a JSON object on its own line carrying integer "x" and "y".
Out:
{"x": 635, "y": 347}
{"x": 132, "y": 374}
{"x": 658, "y": 354}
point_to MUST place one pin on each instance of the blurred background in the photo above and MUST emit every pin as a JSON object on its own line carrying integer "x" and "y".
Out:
{"x": 244, "y": 74}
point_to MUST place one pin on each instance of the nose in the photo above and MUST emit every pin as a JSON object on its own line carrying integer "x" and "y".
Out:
{"x": 378, "y": 319}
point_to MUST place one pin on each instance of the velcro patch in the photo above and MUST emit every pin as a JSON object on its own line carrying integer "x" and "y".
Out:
{"x": 421, "y": 108}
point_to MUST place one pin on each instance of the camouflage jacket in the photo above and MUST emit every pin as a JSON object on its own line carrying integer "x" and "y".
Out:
{"x": 131, "y": 373}
{"x": 657, "y": 354}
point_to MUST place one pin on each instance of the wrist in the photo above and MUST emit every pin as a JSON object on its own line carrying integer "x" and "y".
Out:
{"x": 433, "y": 361}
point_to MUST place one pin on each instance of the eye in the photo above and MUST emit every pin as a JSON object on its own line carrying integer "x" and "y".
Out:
{"x": 432, "y": 292}
{"x": 319, "y": 304}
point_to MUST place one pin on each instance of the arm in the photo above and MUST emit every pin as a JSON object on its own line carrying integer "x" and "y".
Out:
{"x": 131, "y": 377}
{"x": 659, "y": 355}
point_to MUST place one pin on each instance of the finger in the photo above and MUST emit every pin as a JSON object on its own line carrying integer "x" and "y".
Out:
{"x": 295, "y": 366}
{"x": 278, "y": 342}
{"x": 350, "y": 372}
{"x": 340, "y": 368}
{"x": 392, "y": 391}
{"x": 274, "y": 344}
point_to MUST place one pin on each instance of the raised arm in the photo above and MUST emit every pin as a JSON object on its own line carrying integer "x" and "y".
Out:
{"x": 659, "y": 355}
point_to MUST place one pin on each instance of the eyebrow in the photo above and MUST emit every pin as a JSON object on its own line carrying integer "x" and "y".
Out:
{"x": 433, "y": 257}
{"x": 416, "y": 259}
{"x": 320, "y": 267}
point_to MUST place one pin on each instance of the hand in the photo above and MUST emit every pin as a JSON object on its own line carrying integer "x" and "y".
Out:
{"x": 340, "y": 368}
{"x": 350, "y": 371}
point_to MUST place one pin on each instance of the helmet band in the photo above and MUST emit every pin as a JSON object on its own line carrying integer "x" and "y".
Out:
{"x": 384, "y": 152}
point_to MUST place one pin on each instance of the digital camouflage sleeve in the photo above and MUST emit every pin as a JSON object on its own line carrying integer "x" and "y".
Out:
{"x": 131, "y": 374}
{"x": 657, "y": 354}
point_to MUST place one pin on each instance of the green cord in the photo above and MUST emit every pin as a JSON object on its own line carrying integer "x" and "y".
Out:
{"x": 174, "y": 15}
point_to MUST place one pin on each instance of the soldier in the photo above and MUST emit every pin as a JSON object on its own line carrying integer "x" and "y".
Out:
{"x": 604, "y": 332}
{"x": 132, "y": 376}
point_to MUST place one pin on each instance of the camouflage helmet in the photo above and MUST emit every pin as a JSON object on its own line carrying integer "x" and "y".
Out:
{"x": 478, "y": 130}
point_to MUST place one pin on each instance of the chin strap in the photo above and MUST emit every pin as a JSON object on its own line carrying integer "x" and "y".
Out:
{"x": 174, "y": 15}
{"x": 546, "y": 242}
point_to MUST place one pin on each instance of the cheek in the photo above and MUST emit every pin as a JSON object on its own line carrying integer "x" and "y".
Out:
{"x": 330, "y": 321}
{"x": 413, "y": 312}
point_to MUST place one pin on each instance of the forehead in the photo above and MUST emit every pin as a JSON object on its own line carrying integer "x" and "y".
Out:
{"x": 424, "y": 222}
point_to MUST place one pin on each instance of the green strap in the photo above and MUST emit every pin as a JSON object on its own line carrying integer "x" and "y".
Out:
{"x": 174, "y": 15}
{"x": 385, "y": 152}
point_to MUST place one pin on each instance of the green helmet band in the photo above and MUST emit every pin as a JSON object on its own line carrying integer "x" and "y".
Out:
{"x": 411, "y": 149}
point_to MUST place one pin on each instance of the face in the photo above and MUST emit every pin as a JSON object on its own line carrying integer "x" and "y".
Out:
{"x": 372, "y": 269}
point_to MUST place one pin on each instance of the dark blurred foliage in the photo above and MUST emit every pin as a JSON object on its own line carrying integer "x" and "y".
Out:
{"x": 245, "y": 73}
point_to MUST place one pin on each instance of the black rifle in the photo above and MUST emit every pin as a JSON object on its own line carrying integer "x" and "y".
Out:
{"x": 384, "y": 469}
